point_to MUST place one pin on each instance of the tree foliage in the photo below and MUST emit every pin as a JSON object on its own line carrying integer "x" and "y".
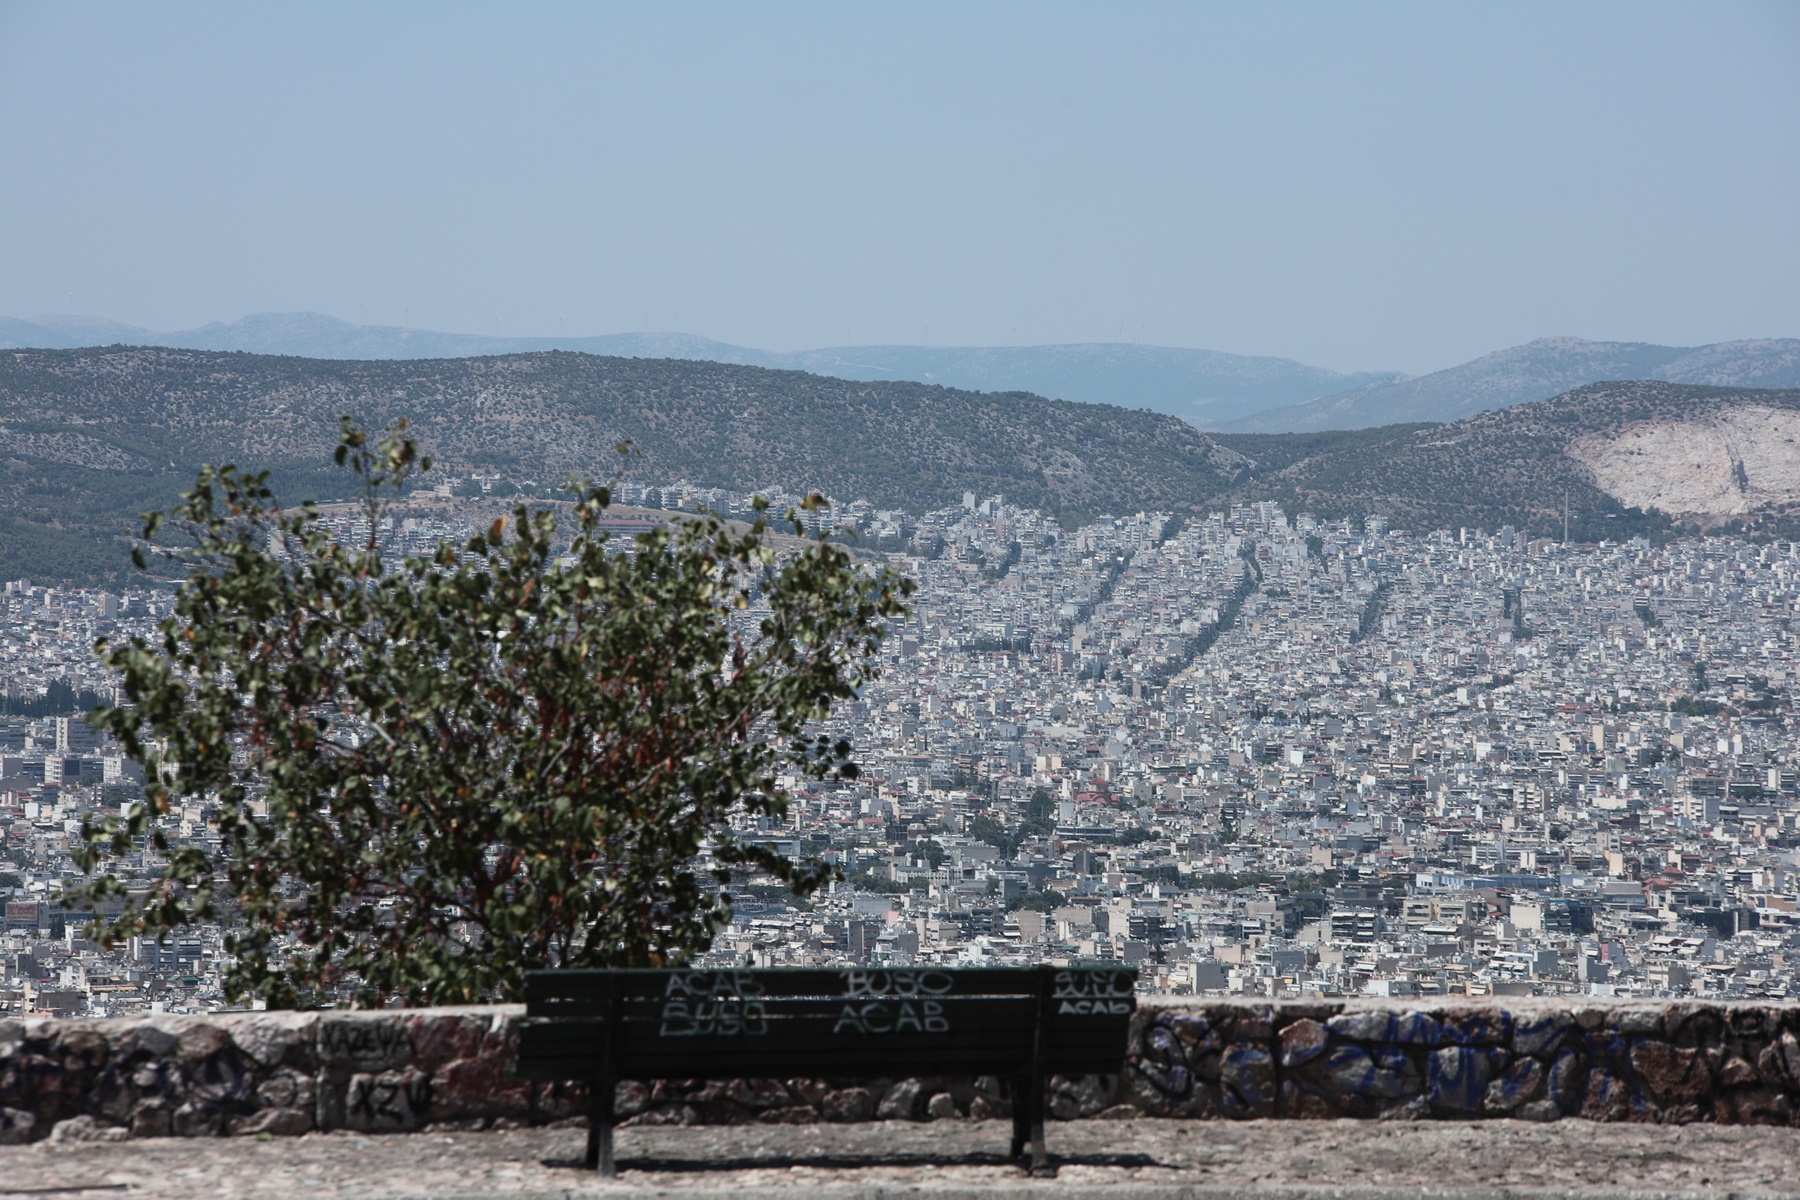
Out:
{"x": 535, "y": 748}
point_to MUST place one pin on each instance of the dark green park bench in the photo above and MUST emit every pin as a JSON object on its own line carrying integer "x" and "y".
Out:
{"x": 1020, "y": 1023}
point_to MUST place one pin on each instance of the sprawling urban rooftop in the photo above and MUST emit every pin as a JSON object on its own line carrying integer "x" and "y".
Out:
{"x": 1246, "y": 752}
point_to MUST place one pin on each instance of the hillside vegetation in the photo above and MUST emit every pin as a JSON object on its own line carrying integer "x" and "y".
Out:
{"x": 1535, "y": 371}
{"x": 89, "y": 438}
{"x": 1519, "y": 466}
{"x": 1202, "y": 386}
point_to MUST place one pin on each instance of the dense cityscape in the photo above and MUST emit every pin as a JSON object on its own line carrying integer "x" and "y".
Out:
{"x": 1244, "y": 751}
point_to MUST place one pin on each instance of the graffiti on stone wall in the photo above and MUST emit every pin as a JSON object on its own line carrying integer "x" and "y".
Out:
{"x": 1669, "y": 1063}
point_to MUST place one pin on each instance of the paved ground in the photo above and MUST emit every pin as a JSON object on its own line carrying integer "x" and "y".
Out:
{"x": 1126, "y": 1160}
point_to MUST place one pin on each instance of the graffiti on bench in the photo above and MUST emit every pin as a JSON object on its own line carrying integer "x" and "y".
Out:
{"x": 733, "y": 1004}
{"x": 1094, "y": 993}
{"x": 878, "y": 1016}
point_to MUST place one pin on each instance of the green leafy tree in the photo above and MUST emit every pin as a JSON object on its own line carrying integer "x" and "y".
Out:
{"x": 1040, "y": 815}
{"x": 433, "y": 774}
{"x": 928, "y": 850}
{"x": 985, "y": 829}
{"x": 1048, "y": 900}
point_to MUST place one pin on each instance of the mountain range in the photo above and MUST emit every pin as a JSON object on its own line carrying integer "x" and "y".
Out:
{"x": 1203, "y": 387}
{"x": 1208, "y": 389}
{"x": 90, "y": 438}
{"x": 1602, "y": 461}
{"x": 1535, "y": 371}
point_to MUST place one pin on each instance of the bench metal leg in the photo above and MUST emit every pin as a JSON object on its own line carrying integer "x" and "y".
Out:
{"x": 600, "y": 1129}
{"x": 1021, "y": 1118}
{"x": 600, "y": 1116}
{"x": 1039, "y": 1078}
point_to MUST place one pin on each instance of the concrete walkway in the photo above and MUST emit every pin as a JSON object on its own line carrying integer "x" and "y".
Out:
{"x": 1130, "y": 1160}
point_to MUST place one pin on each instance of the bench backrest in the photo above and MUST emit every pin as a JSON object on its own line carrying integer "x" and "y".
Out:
{"x": 846, "y": 1022}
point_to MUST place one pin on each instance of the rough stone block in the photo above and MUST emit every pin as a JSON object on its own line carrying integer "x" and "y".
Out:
{"x": 811, "y": 1091}
{"x": 1514, "y": 1086}
{"x": 1750, "y": 1021}
{"x": 112, "y": 1095}
{"x": 1251, "y": 1023}
{"x": 197, "y": 1118}
{"x": 629, "y": 1098}
{"x": 439, "y": 1038}
{"x": 1298, "y": 1103}
{"x": 1361, "y": 1026}
{"x": 1369, "y": 1075}
{"x": 792, "y": 1114}
{"x": 1301, "y": 1042}
{"x": 1196, "y": 1034}
{"x": 288, "y": 1088}
{"x": 1458, "y": 1076}
{"x": 267, "y": 1038}
{"x": 941, "y": 1107}
{"x": 224, "y": 1079}
{"x": 16, "y": 1126}
{"x": 848, "y": 1104}
{"x": 199, "y": 1041}
{"x": 391, "y": 1100}
{"x": 154, "y": 1117}
{"x": 1408, "y": 1028}
{"x": 1476, "y": 1027}
{"x": 83, "y": 1050}
{"x": 279, "y": 1122}
{"x": 1752, "y": 1106}
{"x": 759, "y": 1093}
{"x": 477, "y": 1087}
{"x": 1636, "y": 1022}
{"x": 85, "y": 1129}
{"x": 38, "y": 1084}
{"x": 144, "y": 1040}
{"x": 1736, "y": 1073}
{"x": 1674, "y": 1076}
{"x": 1608, "y": 1098}
{"x": 1416, "y": 1109}
{"x": 1247, "y": 1081}
{"x": 362, "y": 1044}
{"x": 1541, "y": 1034}
{"x": 1789, "y": 1049}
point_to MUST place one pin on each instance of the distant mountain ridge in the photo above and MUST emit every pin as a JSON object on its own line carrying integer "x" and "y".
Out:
{"x": 1625, "y": 458}
{"x": 1535, "y": 371}
{"x": 89, "y": 438}
{"x": 1232, "y": 393}
{"x": 1203, "y": 387}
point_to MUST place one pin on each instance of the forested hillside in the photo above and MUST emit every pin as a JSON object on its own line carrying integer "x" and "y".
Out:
{"x": 1625, "y": 458}
{"x": 89, "y": 438}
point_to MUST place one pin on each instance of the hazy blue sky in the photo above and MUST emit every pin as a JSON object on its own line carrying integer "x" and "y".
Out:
{"x": 1356, "y": 185}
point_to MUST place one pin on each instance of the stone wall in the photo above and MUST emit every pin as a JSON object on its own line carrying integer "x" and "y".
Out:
{"x": 289, "y": 1073}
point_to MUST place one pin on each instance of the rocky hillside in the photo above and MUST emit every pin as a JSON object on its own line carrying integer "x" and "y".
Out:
{"x": 88, "y": 438}
{"x": 1627, "y": 458}
{"x": 1202, "y": 386}
{"x": 1536, "y": 371}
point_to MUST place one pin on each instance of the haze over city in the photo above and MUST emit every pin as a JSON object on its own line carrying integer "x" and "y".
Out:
{"x": 773, "y": 596}
{"x": 1388, "y": 187}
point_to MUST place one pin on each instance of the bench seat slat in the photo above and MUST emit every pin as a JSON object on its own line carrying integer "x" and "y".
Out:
{"x": 839, "y": 1023}
{"x": 576, "y": 987}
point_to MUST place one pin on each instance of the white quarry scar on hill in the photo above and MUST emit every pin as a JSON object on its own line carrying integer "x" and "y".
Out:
{"x": 1731, "y": 462}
